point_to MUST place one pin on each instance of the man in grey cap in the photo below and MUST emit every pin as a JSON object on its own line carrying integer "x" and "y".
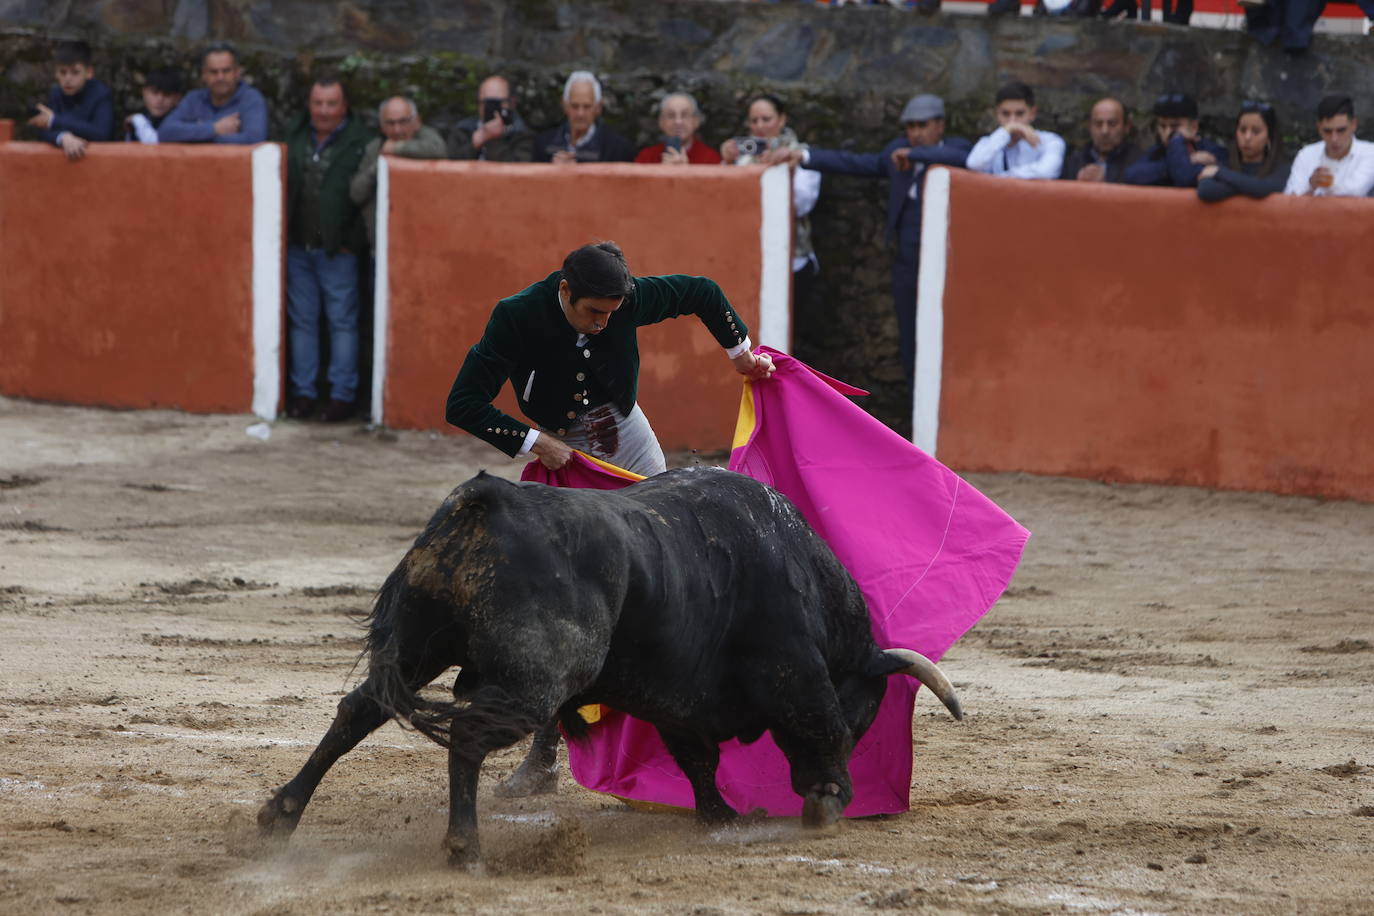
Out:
{"x": 903, "y": 163}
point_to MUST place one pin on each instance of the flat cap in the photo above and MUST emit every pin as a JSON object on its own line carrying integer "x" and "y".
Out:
{"x": 923, "y": 108}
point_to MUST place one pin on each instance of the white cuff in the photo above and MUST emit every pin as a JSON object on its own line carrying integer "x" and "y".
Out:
{"x": 529, "y": 442}
{"x": 743, "y": 346}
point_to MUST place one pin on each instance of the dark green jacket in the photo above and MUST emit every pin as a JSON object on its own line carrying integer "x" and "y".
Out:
{"x": 529, "y": 341}
{"x": 340, "y": 220}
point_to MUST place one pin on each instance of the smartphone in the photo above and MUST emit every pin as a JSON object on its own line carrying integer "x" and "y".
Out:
{"x": 673, "y": 143}
{"x": 493, "y": 107}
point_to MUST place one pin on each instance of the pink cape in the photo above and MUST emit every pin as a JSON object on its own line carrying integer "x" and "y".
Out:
{"x": 930, "y": 553}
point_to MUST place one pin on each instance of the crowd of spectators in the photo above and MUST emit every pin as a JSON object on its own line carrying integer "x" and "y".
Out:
{"x": 332, "y": 159}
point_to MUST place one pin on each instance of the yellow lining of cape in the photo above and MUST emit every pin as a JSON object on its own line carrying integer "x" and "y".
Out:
{"x": 744, "y": 426}
{"x": 610, "y": 468}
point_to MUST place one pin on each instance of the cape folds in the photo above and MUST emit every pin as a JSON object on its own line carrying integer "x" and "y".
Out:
{"x": 930, "y": 553}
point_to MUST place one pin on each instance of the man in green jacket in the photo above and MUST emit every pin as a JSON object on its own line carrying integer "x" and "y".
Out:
{"x": 569, "y": 346}
{"x": 324, "y": 234}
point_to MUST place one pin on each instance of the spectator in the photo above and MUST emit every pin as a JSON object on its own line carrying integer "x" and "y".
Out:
{"x": 582, "y": 137}
{"x": 1337, "y": 165}
{"x": 162, "y": 92}
{"x": 1109, "y": 151}
{"x": 903, "y": 162}
{"x": 1015, "y": 148}
{"x": 1256, "y": 166}
{"x": 403, "y": 134}
{"x": 324, "y": 148}
{"x": 227, "y": 110}
{"x": 1181, "y": 153}
{"x": 770, "y": 139}
{"x": 496, "y": 133}
{"x": 80, "y": 108}
{"x": 679, "y": 119}
{"x": 1289, "y": 22}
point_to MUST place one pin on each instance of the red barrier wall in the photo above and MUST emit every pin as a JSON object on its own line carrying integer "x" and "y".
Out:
{"x": 463, "y": 235}
{"x": 1137, "y": 334}
{"x": 127, "y": 277}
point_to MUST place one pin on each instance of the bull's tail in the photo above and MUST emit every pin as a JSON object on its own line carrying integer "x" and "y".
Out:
{"x": 394, "y": 682}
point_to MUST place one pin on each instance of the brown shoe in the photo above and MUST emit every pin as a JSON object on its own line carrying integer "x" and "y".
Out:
{"x": 300, "y": 408}
{"x": 337, "y": 411}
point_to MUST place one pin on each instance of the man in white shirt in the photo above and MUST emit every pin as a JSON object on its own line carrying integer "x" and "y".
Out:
{"x": 1015, "y": 148}
{"x": 1337, "y": 165}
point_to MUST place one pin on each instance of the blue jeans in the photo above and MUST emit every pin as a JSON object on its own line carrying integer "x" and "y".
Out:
{"x": 314, "y": 280}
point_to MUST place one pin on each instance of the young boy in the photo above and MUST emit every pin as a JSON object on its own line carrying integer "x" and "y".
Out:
{"x": 1015, "y": 148}
{"x": 1182, "y": 153}
{"x": 162, "y": 91}
{"x": 80, "y": 107}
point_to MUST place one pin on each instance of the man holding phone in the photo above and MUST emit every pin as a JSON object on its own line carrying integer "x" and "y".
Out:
{"x": 582, "y": 137}
{"x": 679, "y": 118}
{"x": 497, "y": 133}
{"x": 1337, "y": 165}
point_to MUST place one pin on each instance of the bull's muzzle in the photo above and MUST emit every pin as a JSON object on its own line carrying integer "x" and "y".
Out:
{"x": 926, "y": 671}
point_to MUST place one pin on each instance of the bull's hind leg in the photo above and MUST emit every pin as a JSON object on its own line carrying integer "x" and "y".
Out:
{"x": 358, "y": 716}
{"x": 538, "y": 772}
{"x": 491, "y": 720}
{"x": 699, "y": 761}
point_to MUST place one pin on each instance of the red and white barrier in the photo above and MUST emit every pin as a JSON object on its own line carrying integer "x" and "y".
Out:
{"x": 459, "y": 236}
{"x": 1138, "y": 334}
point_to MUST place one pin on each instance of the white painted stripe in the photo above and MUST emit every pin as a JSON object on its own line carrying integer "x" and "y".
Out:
{"x": 267, "y": 273}
{"x": 775, "y": 277}
{"x": 930, "y": 310}
{"x": 380, "y": 302}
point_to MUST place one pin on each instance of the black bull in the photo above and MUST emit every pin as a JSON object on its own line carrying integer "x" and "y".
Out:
{"x": 698, "y": 600}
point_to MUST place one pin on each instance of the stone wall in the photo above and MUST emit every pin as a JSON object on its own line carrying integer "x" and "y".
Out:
{"x": 843, "y": 72}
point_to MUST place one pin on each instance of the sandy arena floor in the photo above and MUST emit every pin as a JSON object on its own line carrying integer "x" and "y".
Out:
{"x": 1169, "y": 712}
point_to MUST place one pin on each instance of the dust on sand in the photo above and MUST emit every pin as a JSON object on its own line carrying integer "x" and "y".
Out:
{"x": 1169, "y": 712}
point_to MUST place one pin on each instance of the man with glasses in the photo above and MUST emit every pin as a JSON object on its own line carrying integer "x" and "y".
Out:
{"x": 903, "y": 162}
{"x": 1182, "y": 153}
{"x": 496, "y": 133}
{"x": 1337, "y": 165}
{"x": 403, "y": 134}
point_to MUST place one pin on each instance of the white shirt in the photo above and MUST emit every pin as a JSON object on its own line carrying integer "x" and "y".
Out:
{"x": 995, "y": 154}
{"x": 1353, "y": 175}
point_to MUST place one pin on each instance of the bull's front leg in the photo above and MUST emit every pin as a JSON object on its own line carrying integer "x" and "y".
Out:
{"x": 699, "y": 761}
{"x": 358, "y": 716}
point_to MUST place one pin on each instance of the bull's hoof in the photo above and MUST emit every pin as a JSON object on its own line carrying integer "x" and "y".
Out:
{"x": 463, "y": 852}
{"x": 529, "y": 779}
{"x": 822, "y": 809}
{"x": 279, "y": 816}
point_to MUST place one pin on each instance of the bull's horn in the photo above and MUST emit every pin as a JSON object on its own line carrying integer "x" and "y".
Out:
{"x": 925, "y": 671}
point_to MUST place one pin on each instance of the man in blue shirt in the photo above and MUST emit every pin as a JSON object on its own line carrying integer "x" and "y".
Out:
{"x": 227, "y": 110}
{"x": 80, "y": 108}
{"x": 903, "y": 163}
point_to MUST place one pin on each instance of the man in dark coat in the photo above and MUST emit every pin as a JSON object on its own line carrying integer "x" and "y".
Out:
{"x": 903, "y": 163}
{"x": 583, "y": 137}
{"x": 569, "y": 345}
{"x": 325, "y": 233}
